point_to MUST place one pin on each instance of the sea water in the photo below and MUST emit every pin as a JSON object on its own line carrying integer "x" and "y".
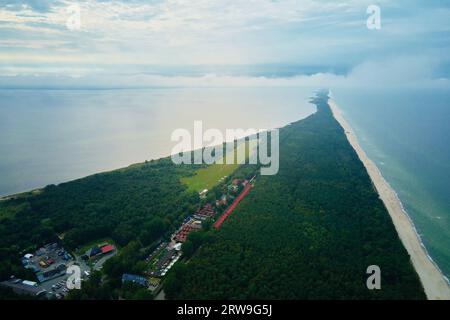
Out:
{"x": 52, "y": 136}
{"x": 407, "y": 134}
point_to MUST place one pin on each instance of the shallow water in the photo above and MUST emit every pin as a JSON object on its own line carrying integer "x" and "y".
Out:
{"x": 407, "y": 133}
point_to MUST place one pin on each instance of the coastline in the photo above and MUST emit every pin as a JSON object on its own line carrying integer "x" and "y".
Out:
{"x": 433, "y": 281}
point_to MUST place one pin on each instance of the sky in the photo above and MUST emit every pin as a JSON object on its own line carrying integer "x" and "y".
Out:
{"x": 122, "y": 43}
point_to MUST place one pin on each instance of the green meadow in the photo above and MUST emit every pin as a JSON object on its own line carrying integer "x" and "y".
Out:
{"x": 212, "y": 175}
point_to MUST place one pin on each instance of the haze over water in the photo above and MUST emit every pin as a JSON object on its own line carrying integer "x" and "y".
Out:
{"x": 52, "y": 136}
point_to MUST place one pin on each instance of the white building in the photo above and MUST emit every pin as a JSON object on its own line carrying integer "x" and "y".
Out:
{"x": 203, "y": 193}
{"x": 29, "y": 283}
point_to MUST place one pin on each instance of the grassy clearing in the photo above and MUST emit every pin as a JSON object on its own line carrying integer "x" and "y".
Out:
{"x": 207, "y": 178}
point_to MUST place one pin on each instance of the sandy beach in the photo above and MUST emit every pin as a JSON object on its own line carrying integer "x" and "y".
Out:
{"x": 433, "y": 281}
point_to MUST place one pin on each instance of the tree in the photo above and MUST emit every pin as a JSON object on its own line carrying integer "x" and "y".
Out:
{"x": 188, "y": 248}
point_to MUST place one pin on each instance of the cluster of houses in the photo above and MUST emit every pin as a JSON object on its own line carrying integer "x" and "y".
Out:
{"x": 167, "y": 254}
{"x": 205, "y": 212}
{"x": 193, "y": 223}
{"x": 25, "y": 287}
{"x": 186, "y": 228}
{"x": 47, "y": 262}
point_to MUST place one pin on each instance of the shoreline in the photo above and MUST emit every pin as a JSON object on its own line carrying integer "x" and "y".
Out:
{"x": 434, "y": 282}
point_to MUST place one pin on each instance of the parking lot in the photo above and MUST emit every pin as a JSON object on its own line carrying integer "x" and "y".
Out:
{"x": 57, "y": 288}
{"x": 50, "y": 264}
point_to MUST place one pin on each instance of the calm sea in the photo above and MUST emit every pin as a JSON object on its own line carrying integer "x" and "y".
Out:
{"x": 407, "y": 134}
{"x": 52, "y": 136}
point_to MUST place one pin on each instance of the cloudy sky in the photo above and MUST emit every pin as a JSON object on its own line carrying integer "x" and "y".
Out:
{"x": 153, "y": 41}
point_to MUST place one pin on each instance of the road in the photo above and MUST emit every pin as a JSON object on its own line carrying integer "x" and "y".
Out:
{"x": 161, "y": 295}
{"x": 99, "y": 263}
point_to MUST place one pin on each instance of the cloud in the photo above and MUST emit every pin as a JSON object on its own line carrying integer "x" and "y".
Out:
{"x": 121, "y": 35}
{"x": 400, "y": 72}
{"x": 35, "y": 5}
{"x": 396, "y": 70}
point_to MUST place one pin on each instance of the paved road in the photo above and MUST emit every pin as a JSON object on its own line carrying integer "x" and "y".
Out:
{"x": 161, "y": 295}
{"x": 99, "y": 263}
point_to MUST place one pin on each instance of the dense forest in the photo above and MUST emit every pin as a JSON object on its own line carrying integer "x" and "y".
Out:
{"x": 140, "y": 203}
{"x": 309, "y": 232}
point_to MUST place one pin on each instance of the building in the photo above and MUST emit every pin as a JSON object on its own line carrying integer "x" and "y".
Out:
{"x": 97, "y": 251}
{"x": 52, "y": 273}
{"x": 47, "y": 262}
{"x": 23, "y": 287}
{"x": 28, "y": 256}
{"x": 191, "y": 225}
{"x": 94, "y": 251}
{"x": 134, "y": 279}
{"x": 222, "y": 201}
{"x": 109, "y": 248}
{"x": 32, "y": 267}
{"x": 203, "y": 193}
{"x": 29, "y": 283}
{"x": 206, "y": 212}
{"x": 181, "y": 235}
